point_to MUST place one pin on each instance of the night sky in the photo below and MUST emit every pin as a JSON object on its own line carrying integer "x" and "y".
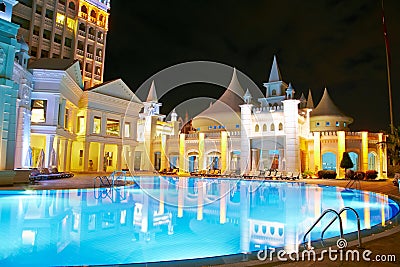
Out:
{"x": 318, "y": 44}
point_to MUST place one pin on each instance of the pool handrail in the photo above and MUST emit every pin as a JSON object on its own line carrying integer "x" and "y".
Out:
{"x": 334, "y": 219}
{"x": 319, "y": 219}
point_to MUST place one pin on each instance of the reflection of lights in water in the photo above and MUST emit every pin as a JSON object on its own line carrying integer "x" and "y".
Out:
{"x": 260, "y": 214}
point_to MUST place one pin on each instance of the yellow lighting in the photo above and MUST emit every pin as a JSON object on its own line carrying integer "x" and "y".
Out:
{"x": 317, "y": 151}
{"x": 367, "y": 212}
{"x": 60, "y": 18}
{"x": 71, "y": 23}
{"x": 341, "y": 148}
{"x": 182, "y": 153}
{"x": 224, "y": 147}
{"x": 364, "y": 151}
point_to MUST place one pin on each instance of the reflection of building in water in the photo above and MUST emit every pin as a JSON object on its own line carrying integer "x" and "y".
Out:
{"x": 242, "y": 216}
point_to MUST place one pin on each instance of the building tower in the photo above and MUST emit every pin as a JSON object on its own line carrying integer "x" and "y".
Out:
{"x": 70, "y": 29}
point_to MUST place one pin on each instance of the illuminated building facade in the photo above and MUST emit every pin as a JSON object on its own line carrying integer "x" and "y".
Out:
{"x": 66, "y": 29}
{"x": 278, "y": 131}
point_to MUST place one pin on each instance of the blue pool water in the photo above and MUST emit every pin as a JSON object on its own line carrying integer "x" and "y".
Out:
{"x": 167, "y": 219}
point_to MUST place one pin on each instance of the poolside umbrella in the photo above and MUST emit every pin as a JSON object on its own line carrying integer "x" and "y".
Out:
{"x": 28, "y": 160}
{"x": 53, "y": 158}
{"x": 41, "y": 160}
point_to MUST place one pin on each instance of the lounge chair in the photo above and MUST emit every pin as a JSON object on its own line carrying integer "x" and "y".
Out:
{"x": 277, "y": 175}
{"x": 45, "y": 174}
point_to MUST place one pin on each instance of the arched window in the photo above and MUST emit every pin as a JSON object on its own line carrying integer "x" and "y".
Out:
{"x": 101, "y": 17}
{"x": 91, "y": 31}
{"x": 264, "y": 128}
{"x": 82, "y": 27}
{"x": 93, "y": 14}
{"x": 2, "y": 7}
{"x": 99, "y": 35}
{"x": 80, "y": 45}
{"x": 280, "y": 126}
{"x": 257, "y": 128}
{"x": 71, "y": 5}
{"x": 274, "y": 92}
{"x": 61, "y": 2}
{"x": 272, "y": 127}
{"x": 84, "y": 9}
{"x": 372, "y": 160}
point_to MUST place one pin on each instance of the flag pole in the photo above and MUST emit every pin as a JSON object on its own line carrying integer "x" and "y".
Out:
{"x": 388, "y": 70}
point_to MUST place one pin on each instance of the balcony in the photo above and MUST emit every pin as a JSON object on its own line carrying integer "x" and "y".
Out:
{"x": 100, "y": 40}
{"x": 59, "y": 26}
{"x": 83, "y": 15}
{"x": 99, "y": 59}
{"x": 80, "y": 52}
{"x": 38, "y": 18}
{"x": 92, "y": 19}
{"x": 97, "y": 77}
{"x": 82, "y": 33}
{"x": 48, "y": 22}
{"x": 100, "y": 23}
{"x": 89, "y": 55}
{"x": 91, "y": 37}
{"x": 88, "y": 74}
{"x": 67, "y": 50}
{"x": 71, "y": 13}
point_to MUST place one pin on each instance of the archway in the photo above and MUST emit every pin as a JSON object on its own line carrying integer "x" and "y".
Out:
{"x": 372, "y": 161}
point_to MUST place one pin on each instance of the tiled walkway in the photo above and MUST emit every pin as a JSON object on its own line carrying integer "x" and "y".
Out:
{"x": 384, "y": 243}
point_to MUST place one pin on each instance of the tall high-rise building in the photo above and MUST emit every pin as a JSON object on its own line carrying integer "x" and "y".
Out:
{"x": 66, "y": 29}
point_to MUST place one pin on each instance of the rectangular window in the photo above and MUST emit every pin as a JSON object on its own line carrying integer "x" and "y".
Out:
{"x": 112, "y": 127}
{"x": 38, "y": 108}
{"x": 49, "y": 14}
{"x": 68, "y": 42}
{"x": 97, "y": 125}
{"x": 44, "y": 53}
{"x": 127, "y": 130}
{"x": 57, "y": 38}
{"x": 33, "y": 51}
{"x": 70, "y": 24}
{"x": 39, "y": 9}
{"x": 46, "y": 34}
{"x": 60, "y": 18}
{"x": 36, "y": 30}
{"x": 81, "y": 124}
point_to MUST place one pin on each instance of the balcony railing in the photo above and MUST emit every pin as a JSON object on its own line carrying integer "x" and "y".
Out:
{"x": 99, "y": 59}
{"x": 89, "y": 55}
{"x": 83, "y": 15}
{"x": 88, "y": 74}
{"x": 80, "y": 52}
{"x": 82, "y": 33}
{"x": 91, "y": 37}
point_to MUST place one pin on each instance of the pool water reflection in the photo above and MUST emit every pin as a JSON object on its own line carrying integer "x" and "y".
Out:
{"x": 167, "y": 219}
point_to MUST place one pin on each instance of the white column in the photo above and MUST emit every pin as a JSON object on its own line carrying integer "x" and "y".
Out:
{"x": 292, "y": 155}
{"x": 100, "y": 165}
{"x": 246, "y": 124}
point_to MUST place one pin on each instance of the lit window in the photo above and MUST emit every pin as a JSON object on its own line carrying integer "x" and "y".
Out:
{"x": 112, "y": 127}
{"x": 70, "y": 23}
{"x": 60, "y": 18}
{"x": 39, "y": 111}
{"x": 280, "y": 126}
{"x": 257, "y": 129}
{"x": 81, "y": 124}
{"x": 337, "y": 124}
{"x": 272, "y": 127}
{"x": 328, "y": 123}
{"x": 127, "y": 129}
{"x": 96, "y": 125}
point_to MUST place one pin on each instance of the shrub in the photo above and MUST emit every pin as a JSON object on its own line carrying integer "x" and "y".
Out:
{"x": 360, "y": 175}
{"x": 371, "y": 174}
{"x": 326, "y": 174}
{"x": 349, "y": 174}
{"x": 307, "y": 174}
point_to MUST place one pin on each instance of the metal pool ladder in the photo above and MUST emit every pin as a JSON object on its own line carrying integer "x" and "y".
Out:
{"x": 332, "y": 221}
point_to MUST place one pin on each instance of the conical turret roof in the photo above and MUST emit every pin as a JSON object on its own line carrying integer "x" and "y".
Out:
{"x": 310, "y": 102}
{"x": 275, "y": 74}
{"x": 152, "y": 96}
{"x": 326, "y": 107}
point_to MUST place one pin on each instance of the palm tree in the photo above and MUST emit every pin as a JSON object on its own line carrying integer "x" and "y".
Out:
{"x": 393, "y": 146}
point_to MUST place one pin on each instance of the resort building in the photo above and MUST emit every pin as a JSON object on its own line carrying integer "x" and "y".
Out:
{"x": 66, "y": 29}
{"x": 239, "y": 134}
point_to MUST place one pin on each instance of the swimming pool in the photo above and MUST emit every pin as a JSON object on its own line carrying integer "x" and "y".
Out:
{"x": 171, "y": 219}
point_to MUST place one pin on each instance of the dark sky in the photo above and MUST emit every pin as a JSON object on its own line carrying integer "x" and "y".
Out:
{"x": 318, "y": 44}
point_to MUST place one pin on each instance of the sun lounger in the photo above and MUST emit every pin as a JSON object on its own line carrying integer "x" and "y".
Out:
{"x": 45, "y": 174}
